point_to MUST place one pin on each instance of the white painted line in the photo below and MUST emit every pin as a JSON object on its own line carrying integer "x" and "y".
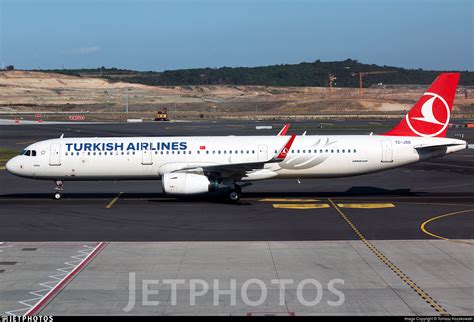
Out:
{"x": 57, "y": 281}
{"x": 62, "y": 282}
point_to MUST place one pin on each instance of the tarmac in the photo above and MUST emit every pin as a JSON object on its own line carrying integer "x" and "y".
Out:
{"x": 400, "y": 240}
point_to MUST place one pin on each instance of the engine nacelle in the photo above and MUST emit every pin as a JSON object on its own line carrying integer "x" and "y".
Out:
{"x": 188, "y": 183}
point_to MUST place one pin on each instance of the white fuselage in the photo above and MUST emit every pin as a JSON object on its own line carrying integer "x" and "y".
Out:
{"x": 138, "y": 158}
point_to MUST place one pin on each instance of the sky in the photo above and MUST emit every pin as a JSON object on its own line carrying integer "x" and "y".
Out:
{"x": 175, "y": 34}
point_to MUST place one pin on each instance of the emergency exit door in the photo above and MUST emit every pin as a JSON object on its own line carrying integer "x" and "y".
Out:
{"x": 262, "y": 153}
{"x": 387, "y": 151}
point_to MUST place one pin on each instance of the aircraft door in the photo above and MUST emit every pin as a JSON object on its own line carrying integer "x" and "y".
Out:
{"x": 262, "y": 153}
{"x": 55, "y": 154}
{"x": 147, "y": 157}
{"x": 387, "y": 151}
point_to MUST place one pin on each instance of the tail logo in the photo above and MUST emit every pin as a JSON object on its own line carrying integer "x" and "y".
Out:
{"x": 431, "y": 118}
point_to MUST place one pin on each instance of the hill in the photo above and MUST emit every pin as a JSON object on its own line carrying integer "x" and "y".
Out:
{"x": 304, "y": 74}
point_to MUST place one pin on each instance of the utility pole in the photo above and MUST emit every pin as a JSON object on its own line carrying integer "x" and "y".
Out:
{"x": 126, "y": 100}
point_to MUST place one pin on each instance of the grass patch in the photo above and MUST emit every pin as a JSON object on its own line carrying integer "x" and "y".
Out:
{"x": 7, "y": 153}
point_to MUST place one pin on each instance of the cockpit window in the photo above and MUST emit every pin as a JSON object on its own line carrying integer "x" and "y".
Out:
{"x": 29, "y": 153}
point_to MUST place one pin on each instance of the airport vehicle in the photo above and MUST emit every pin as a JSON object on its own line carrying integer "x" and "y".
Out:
{"x": 193, "y": 165}
{"x": 162, "y": 115}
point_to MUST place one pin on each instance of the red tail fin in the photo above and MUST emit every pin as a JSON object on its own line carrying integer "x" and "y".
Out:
{"x": 430, "y": 115}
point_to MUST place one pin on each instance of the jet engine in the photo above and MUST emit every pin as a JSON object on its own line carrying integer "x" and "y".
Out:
{"x": 188, "y": 183}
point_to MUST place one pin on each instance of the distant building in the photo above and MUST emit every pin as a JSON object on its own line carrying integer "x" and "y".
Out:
{"x": 10, "y": 67}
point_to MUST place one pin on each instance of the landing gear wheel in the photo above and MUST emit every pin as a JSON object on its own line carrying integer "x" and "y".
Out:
{"x": 234, "y": 196}
{"x": 59, "y": 189}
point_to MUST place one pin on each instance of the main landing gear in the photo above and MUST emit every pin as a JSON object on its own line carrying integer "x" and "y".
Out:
{"x": 58, "y": 189}
{"x": 234, "y": 194}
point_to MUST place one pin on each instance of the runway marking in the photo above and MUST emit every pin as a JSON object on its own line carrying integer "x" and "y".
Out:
{"x": 428, "y": 299}
{"x": 366, "y": 205}
{"x": 287, "y": 200}
{"x": 111, "y": 203}
{"x": 26, "y": 142}
{"x": 301, "y": 206}
{"x": 58, "y": 281}
{"x": 423, "y": 226}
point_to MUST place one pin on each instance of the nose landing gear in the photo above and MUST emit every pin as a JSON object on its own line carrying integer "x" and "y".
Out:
{"x": 58, "y": 189}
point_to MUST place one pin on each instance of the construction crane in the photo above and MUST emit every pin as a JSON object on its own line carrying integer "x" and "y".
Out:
{"x": 362, "y": 74}
{"x": 331, "y": 79}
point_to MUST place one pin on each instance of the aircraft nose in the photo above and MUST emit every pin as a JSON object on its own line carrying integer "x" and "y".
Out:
{"x": 12, "y": 166}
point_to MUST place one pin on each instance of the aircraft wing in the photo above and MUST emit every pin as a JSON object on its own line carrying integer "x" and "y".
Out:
{"x": 236, "y": 169}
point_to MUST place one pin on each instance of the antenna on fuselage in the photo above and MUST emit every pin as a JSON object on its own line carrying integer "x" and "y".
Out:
{"x": 304, "y": 133}
{"x": 62, "y": 135}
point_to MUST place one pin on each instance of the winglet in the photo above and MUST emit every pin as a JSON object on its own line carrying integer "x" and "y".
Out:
{"x": 284, "y": 130}
{"x": 284, "y": 152}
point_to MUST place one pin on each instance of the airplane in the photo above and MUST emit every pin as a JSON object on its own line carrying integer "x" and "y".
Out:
{"x": 195, "y": 165}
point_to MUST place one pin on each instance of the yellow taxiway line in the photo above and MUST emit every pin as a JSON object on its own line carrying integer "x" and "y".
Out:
{"x": 407, "y": 280}
{"x": 111, "y": 203}
{"x": 300, "y": 206}
{"x": 366, "y": 205}
{"x": 423, "y": 226}
{"x": 287, "y": 200}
